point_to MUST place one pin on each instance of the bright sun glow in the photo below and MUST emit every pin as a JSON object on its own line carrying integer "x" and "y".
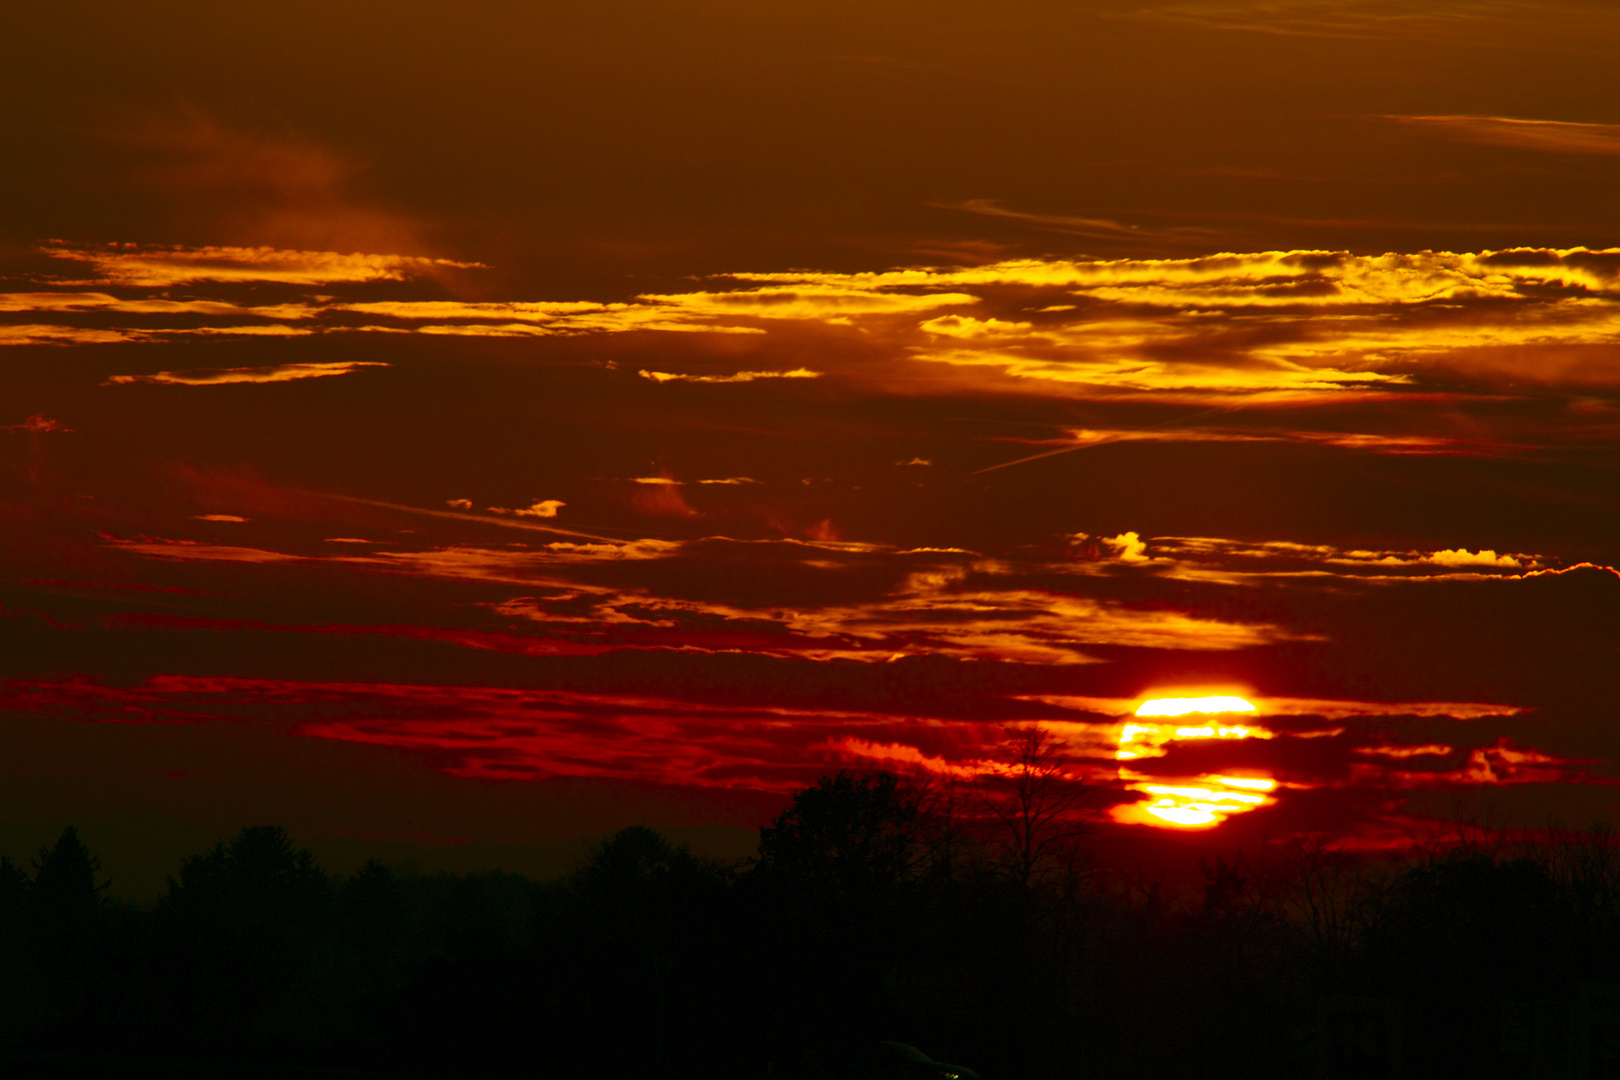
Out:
{"x": 1195, "y": 802}
{"x": 1181, "y": 706}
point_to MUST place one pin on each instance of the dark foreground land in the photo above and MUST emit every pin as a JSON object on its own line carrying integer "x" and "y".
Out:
{"x": 873, "y": 911}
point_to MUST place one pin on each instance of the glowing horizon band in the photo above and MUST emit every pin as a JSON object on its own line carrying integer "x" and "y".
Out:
{"x": 1204, "y": 794}
{"x": 1200, "y": 705}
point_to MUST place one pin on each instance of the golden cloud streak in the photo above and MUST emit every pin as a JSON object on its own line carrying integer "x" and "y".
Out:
{"x": 1333, "y": 277}
{"x": 41, "y": 334}
{"x": 739, "y": 377}
{"x": 222, "y": 376}
{"x": 1262, "y": 326}
{"x": 85, "y": 302}
{"x": 155, "y": 267}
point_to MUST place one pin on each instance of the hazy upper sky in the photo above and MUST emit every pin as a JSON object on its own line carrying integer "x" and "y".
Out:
{"x": 490, "y": 425}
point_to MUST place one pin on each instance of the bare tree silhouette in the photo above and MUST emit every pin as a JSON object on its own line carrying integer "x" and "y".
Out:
{"x": 1036, "y": 807}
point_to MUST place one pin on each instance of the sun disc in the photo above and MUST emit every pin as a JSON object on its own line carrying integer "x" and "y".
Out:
{"x": 1202, "y": 706}
{"x": 1191, "y": 802}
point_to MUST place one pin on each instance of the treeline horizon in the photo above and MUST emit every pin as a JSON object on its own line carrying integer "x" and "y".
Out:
{"x": 966, "y": 919}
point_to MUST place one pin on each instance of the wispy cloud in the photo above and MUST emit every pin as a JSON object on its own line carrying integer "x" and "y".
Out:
{"x": 1304, "y": 322}
{"x": 1088, "y": 438}
{"x": 1051, "y": 623}
{"x": 38, "y": 424}
{"x": 265, "y": 186}
{"x": 157, "y": 267}
{"x": 1250, "y": 334}
{"x": 660, "y": 496}
{"x": 539, "y": 508}
{"x": 1094, "y": 228}
{"x": 1237, "y": 562}
{"x": 501, "y": 733}
{"x": 739, "y": 377}
{"x": 828, "y": 299}
{"x": 1553, "y": 136}
{"x": 106, "y": 302}
{"x": 46, "y": 334}
{"x": 273, "y": 374}
{"x": 1371, "y": 19}
{"x": 949, "y": 604}
{"x": 1267, "y": 278}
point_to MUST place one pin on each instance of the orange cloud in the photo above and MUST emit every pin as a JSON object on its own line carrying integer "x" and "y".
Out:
{"x": 1399, "y": 752}
{"x": 829, "y": 298}
{"x": 1086, "y": 438}
{"x": 1128, "y": 369}
{"x": 540, "y": 508}
{"x": 1310, "y": 278}
{"x": 1330, "y": 709}
{"x": 1325, "y": 18}
{"x": 513, "y": 733}
{"x": 221, "y": 376}
{"x": 934, "y": 611}
{"x": 1233, "y": 561}
{"x": 661, "y": 497}
{"x": 680, "y": 312}
{"x": 38, "y": 424}
{"x": 1483, "y": 557}
{"x": 1094, "y": 228}
{"x": 261, "y": 186}
{"x": 504, "y": 733}
{"x": 1264, "y": 326}
{"x": 901, "y": 756}
{"x": 36, "y": 334}
{"x": 82, "y": 301}
{"x": 1506, "y": 764}
{"x": 1126, "y": 547}
{"x": 741, "y": 376}
{"x": 272, "y": 330}
{"x": 157, "y": 267}
{"x": 503, "y": 311}
{"x": 187, "y": 551}
{"x": 1555, "y": 136}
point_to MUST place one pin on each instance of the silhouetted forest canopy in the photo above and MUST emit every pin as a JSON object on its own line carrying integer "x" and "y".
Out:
{"x": 966, "y": 919}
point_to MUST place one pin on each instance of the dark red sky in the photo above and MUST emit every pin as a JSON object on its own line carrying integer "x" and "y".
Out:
{"x": 455, "y": 433}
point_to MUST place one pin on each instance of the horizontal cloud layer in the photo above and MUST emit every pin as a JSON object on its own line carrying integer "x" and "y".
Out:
{"x": 785, "y": 522}
{"x": 272, "y": 374}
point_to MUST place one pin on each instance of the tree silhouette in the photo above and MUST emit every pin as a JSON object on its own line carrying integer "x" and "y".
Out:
{"x": 14, "y": 884}
{"x": 849, "y": 839}
{"x": 1035, "y": 806}
{"x": 65, "y": 890}
{"x": 242, "y": 920}
{"x": 831, "y": 893}
{"x": 645, "y": 941}
{"x": 876, "y": 912}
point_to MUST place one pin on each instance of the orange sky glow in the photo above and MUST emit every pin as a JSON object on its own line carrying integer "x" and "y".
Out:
{"x": 499, "y": 429}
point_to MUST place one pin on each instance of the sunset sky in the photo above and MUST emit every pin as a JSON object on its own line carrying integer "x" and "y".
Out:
{"x": 454, "y": 431}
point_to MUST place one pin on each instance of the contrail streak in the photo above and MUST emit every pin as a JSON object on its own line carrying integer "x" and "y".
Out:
{"x": 504, "y": 523}
{"x": 1105, "y": 442}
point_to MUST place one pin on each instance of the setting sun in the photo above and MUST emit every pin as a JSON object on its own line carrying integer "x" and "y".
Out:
{"x": 1190, "y": 802}
{"x": 1202, "y": 705}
